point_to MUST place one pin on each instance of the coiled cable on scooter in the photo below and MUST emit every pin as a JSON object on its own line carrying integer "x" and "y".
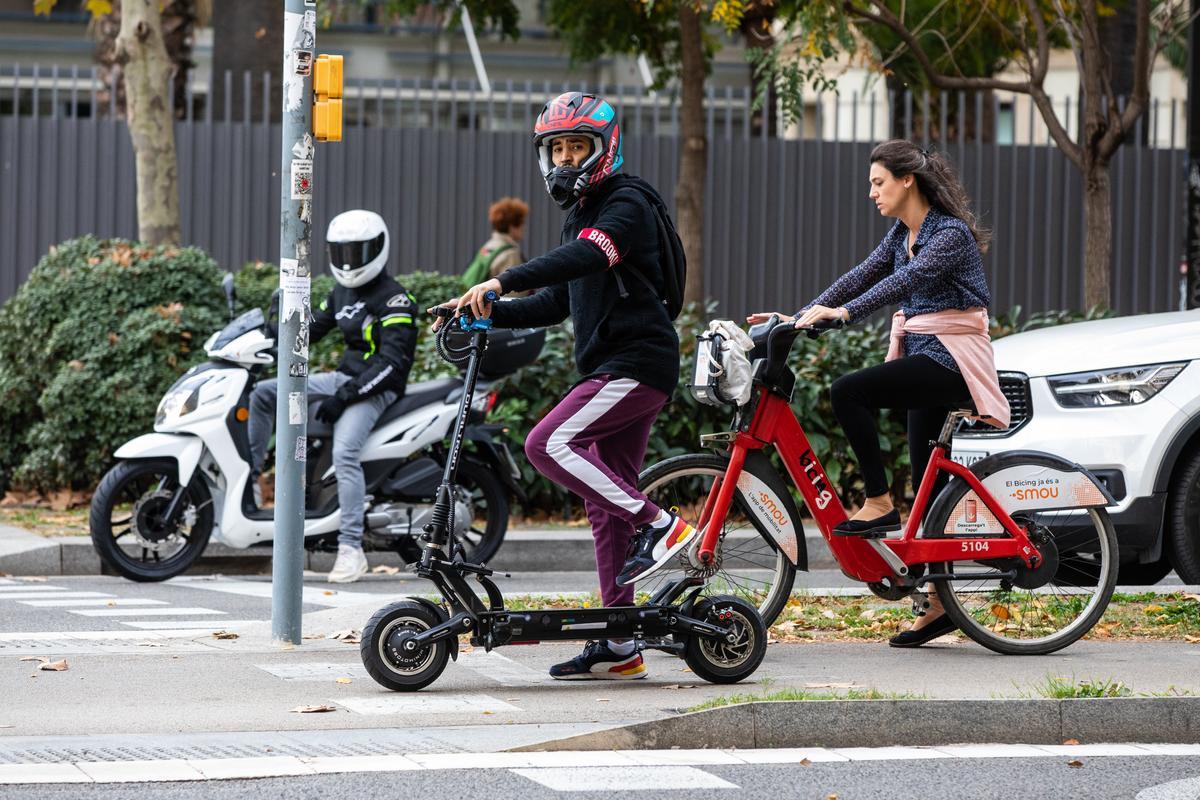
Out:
{"x": 447, "y": 352}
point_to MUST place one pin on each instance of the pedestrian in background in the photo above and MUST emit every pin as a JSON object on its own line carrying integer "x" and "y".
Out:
{"x": 503, "y": 250}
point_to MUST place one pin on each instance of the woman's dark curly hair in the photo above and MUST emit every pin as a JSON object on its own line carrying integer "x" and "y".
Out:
{"x": 936, "y": 180}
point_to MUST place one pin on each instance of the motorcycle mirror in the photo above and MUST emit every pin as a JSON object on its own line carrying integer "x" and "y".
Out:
{"x": 230, "y": 292}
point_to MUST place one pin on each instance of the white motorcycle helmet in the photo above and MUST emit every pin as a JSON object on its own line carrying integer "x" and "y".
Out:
{"x": 358, "y": 247}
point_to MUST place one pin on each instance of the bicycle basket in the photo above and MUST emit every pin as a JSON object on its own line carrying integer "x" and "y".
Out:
{"x": 722, "y": 374}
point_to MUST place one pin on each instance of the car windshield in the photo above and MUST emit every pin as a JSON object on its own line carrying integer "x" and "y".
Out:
{"x": 247, "y": 322}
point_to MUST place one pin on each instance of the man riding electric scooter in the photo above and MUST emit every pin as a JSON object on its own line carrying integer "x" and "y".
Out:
{"x": 375, "y": 316}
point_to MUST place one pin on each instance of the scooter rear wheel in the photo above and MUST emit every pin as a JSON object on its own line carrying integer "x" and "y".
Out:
{"x": 720, "y": 660}
{"x": 389, "y": 666}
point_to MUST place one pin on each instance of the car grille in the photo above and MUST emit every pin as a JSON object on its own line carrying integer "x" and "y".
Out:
{"x": 1015, "y": 386}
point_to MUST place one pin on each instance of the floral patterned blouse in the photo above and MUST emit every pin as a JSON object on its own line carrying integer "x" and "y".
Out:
{"x": 945, "y": 272}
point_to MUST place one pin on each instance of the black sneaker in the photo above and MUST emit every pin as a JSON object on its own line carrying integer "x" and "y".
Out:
{"x": 652, "y": 548}
{"x": 598, "y": 662}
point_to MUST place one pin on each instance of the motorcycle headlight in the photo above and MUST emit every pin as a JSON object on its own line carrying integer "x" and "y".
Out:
{"x": 1125, "y": 386}
{"x": 182, "y": 399}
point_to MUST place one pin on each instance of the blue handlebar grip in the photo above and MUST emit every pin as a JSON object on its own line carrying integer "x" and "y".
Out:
{"x": 491, "y": 296}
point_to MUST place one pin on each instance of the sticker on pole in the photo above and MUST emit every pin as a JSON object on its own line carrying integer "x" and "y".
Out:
{"x": 296, "y": 291}
{"x": 302, "y": 170}
{"x": 301, "y": 448}
{"x": 297, "y": 410}
{"x": 302, "y": 61}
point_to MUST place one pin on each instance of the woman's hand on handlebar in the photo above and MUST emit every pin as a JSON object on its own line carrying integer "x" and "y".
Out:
{"x": 764, "y": 316}
{"x": 441, "y": 313}
{"x": 820, "y": 314}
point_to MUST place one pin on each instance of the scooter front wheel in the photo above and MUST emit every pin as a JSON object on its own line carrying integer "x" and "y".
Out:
{"x": 392, "y": 667}
{"x": 735, "y": 657}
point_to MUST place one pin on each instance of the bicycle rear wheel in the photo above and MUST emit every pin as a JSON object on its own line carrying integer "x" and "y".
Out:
{"x": 749, "y": 564}
{"x": 1043, "y": 609}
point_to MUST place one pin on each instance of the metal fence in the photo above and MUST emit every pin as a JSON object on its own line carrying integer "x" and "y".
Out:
{"x": 784, "y": 214}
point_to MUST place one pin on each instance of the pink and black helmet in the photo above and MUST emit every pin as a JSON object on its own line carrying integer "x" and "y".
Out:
{"x": 577, "y": 114}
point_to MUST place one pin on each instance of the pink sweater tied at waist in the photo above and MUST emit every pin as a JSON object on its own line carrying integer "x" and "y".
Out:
{"x": 965, "y": 335}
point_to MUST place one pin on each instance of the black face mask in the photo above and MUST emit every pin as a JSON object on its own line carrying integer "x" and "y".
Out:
{"x": 565, "y": 185}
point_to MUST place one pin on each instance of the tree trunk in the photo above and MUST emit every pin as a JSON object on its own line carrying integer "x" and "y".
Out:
{"x": 144, "y": 62}
{"x": 179, "y": 20}
{"x": 693, "y": 157}
{"x": 1097, "y": 248}
{"x": 247, "y": 37}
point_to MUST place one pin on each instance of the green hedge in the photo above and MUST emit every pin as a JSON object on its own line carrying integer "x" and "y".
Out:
{"x": 88, "y": 346}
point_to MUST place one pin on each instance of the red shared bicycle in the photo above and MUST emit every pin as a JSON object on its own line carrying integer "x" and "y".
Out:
{"x": 1019, "y": 545}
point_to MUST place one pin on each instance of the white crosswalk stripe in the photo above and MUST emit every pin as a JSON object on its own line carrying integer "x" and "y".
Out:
{"x": 134, "y": 612}
{"x": 89, "y": 601}
{"x": 24, "y": 596}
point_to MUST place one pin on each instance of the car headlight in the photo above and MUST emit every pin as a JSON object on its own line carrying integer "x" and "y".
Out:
{"x": 1125, "y": 386}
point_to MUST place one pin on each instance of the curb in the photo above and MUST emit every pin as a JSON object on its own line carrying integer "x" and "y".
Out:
{"x": 879, "y": 723}
{"x": 524, "y": 550}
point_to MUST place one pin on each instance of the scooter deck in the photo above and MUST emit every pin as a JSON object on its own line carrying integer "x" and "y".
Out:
{"x": 614, "y": 622}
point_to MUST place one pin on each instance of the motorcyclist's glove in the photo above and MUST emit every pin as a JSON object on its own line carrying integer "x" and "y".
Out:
{"x": 330, "y": 409}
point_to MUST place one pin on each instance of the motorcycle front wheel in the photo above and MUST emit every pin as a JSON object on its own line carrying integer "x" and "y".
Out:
{"x": 127, "y": 525}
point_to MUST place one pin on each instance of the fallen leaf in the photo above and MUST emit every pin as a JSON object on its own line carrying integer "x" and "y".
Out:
{"x": 385, "y": 569}
{"x": 54, "y": 666}
{"x": 329, "y": 593}
{"x": 850, "y": 685}
{"x": 489, "y": 712}
{"x": 1075, "y": 763}
{"x": 1000, "y": 612}
{"x": 225, "y": 635}
{"x": 1195, "y": 597}
{"x": 349, "y": 636}
{"x": 1192, "y": 639}
{"x": 831, "y": 797}
{"x": 39, "y": 659}
{"x": 685, "y": 669}
{"x": 603, "y": 700}
{"x": 313, "y": 636}
{"x": 1071, "y": 742}
{"x": 111, "y": 603}
{"x": 313, "y": 709}
{"x": 1153, "y": 608}
{"x": 466, "y": 649}
{"x": 343, "y": 680}
{"x": 804, "y": 762}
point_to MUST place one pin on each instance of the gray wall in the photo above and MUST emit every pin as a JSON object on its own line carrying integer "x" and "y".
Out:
{"x": 785, "y": 217}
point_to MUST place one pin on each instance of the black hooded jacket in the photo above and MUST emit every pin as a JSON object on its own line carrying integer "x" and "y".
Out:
{"x": 630, "y": 337}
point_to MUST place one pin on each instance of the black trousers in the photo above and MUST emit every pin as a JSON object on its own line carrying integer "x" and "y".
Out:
{"x": 919, "y": 384}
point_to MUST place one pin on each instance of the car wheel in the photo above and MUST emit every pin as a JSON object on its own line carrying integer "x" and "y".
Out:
{"x": 1183, "y": 518}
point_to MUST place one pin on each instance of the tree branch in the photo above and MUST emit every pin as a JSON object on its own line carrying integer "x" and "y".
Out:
{"x": 886, "y": 18}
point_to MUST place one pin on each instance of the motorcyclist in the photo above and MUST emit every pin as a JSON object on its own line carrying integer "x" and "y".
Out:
{"x": 375, "y": 316}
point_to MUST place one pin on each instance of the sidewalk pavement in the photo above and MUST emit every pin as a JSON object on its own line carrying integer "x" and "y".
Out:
{"x": 524, "y": 549}
{"x": 150, "y": 684}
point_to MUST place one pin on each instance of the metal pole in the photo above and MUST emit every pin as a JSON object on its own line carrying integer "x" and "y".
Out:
{"x": 1192, "y": 241}
{"x": 295, "y": 239}
{"x": 476, "y": 56}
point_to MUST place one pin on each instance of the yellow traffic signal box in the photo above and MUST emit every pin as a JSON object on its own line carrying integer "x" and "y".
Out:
{"x": 327, "y": 105}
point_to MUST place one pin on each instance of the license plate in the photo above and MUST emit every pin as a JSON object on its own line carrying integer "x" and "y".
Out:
{"x": 967, "y": 457}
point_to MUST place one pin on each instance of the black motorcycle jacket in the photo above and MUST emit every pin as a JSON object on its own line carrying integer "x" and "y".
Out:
{"x": 378, "y": 323}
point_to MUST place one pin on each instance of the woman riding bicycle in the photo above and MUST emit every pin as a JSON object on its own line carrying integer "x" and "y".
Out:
{"x": 940, "y": 355}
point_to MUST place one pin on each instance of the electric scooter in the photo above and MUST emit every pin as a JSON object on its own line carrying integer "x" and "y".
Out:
{"x": 407, "y": 644}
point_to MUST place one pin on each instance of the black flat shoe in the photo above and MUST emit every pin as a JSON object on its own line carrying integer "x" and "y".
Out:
{"x": 933, "y": 630}
{"x": 870, "y": 528}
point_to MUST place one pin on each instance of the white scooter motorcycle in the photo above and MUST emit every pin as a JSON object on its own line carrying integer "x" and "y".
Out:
{"x": 172, "y": 490}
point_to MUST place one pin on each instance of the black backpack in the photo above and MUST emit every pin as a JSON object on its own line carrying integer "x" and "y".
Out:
{"x": 672, "y": 258}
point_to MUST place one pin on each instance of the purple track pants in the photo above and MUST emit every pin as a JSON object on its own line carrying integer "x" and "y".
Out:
{"x": 593, "y": 443}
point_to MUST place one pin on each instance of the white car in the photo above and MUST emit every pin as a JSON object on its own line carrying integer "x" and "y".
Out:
{"x": 1120, "y": 397}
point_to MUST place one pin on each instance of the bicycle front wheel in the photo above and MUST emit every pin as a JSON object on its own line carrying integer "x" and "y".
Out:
{"x": 1043, "y": 609}
{"x": 749, "y": 564}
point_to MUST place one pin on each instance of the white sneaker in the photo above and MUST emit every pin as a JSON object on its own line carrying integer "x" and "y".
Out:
{"x": 351, "y": 564}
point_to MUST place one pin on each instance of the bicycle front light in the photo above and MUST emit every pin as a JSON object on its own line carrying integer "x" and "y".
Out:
{"x": 1124, "y": 386}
